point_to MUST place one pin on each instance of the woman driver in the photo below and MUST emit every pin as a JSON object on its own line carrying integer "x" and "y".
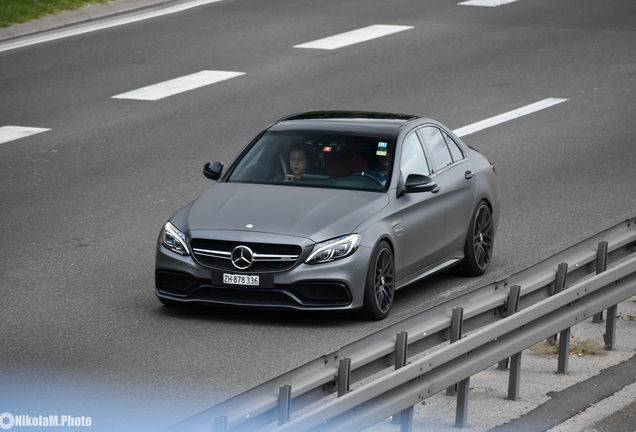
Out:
{"x": 298, "y": 163}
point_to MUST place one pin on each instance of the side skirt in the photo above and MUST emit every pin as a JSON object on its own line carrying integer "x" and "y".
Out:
{"x": 443, "y": 264}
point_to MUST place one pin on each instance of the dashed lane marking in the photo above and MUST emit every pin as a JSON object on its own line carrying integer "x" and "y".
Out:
{"x": 10, "y": 133}
{"x": 354, "y": 37}
{"x": 178, "y": 85}
{"x": 502, "y": 118}
{"x": 486, "y": 3}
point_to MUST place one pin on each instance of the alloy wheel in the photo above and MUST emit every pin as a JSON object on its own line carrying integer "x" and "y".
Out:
{"x": 384, "y": 280}
{"x": 483, "y": 238}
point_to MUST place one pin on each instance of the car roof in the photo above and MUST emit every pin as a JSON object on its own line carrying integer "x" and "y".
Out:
{"x": 377, "y": 124}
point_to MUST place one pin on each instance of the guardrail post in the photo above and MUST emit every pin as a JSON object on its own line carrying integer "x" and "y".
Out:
{"x": 461, "y": 388}
{"x": 559, "y": 285}
{"x": 407, "y": 420}
{"x": 610, "y": 328}
{"x": 461, "y": 416}
{"x": 564, "y": 336}
{"x": 601, "y": 266}
{"x": 514, "y": 377}
{"x": 401, "y": 345}
{"x": 344, "y": 375}
{"x": 284, "y": 404}
{"x": 404, "y": 417}
{"x": 610, "y": 324}
{"x": 457, "y": 324}
{"x": 564, "y": 351}
{"x": 512, "y": 306}
{"x": 220, "y": 424}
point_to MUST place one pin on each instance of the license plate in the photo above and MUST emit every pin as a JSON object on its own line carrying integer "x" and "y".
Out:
{"x": 232, "y": 279}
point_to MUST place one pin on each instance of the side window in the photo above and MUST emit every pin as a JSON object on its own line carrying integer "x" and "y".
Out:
{"x": 436, "y": 146}
{"x": 456, "y": 152}
{"x": 413, "y": 159}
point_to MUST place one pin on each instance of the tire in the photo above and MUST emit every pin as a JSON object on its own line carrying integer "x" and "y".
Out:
{"x": 380, "y": 285}
{"x": 480, "y": 241}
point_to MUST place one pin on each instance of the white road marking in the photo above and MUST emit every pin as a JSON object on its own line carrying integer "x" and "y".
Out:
{"x": 538, "y": 106}
{"x": 486, "y": 3}
{"x": 91, "y": 27}
{"x": 354, "y": 37}
{"x": 10, "y": 133}
{"x": 178, "y": 85}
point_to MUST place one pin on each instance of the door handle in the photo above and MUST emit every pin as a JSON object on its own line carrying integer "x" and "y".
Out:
{"x": 468, "y": 175}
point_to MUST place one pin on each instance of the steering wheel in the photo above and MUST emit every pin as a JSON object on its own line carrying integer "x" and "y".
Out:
{"x": 367, "y": 176}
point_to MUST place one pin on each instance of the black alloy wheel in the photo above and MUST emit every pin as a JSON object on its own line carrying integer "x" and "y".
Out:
{"x": 483, "y": 238}
{"x": 479, "y": 242}
{"x": 380, "y": 286}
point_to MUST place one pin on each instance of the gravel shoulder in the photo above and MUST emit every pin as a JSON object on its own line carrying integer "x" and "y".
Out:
{"x": 595, "y": 387}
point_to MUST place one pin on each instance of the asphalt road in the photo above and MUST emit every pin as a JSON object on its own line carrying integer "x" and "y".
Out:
{"x": 81, "y": 205}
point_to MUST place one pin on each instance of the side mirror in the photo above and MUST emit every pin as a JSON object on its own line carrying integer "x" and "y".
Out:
{"x": 420, "y": 183}
{"x": 213, "y": 170}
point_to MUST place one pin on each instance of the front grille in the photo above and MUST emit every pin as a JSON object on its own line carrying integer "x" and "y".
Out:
{"x": 245, "y": 296}
{"x": 267, "y": 257}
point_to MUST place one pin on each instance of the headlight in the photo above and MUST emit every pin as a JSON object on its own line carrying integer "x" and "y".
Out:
{"x": 334, "y": 249}
{"x": 173, "y": 239}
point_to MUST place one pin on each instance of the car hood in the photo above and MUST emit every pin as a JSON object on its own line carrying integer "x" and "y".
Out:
{"x": 314, "y": 213}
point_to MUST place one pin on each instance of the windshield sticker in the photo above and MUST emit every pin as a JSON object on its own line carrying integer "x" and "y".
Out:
{"x": 381, "y": 151}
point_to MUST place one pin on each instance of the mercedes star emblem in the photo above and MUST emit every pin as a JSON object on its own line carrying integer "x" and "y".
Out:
{"x": 242, "y": 257}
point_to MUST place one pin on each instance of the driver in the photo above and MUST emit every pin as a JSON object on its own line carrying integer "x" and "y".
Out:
{"x": 382, "y": 170}
{"x": 345, "y": 161}
{"x": 297, "y": 163}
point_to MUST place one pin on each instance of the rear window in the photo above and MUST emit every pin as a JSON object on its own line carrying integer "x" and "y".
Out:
{"x": 437, "y": 149}
{"x": 456, "y": 152}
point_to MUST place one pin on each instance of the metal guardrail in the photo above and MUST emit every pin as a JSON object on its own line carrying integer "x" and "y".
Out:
{"x": 431, "y": 374}
{"x": 275, "y": 400}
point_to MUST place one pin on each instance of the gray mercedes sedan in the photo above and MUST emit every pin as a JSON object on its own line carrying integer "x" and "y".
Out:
{"x": 332, "y": 210}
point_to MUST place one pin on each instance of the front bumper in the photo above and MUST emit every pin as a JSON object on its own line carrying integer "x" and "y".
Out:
{"x": 336, "y": 285}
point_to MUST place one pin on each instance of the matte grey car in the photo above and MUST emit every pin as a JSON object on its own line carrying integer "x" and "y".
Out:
{"x": 332, "y": 210}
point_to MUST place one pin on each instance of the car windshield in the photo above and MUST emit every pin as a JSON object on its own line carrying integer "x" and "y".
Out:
{"x": 317, "y": 159}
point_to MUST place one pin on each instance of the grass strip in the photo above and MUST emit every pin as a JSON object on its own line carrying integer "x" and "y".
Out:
{"x": 577, "y": 348}
{"x": 21, "y": 11}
